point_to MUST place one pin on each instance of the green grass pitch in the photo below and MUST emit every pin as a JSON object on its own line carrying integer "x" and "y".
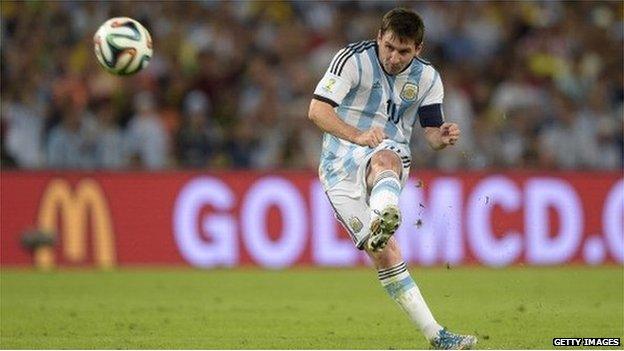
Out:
{"x": 302, "y": 308}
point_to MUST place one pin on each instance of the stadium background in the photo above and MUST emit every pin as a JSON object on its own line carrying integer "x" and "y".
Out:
{"x": 206, "y": 159}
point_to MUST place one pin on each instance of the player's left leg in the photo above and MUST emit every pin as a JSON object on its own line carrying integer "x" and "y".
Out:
{"x": 398, "y": 283}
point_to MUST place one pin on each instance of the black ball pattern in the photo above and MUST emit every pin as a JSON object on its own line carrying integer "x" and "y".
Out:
{"x": 117, "y": 51}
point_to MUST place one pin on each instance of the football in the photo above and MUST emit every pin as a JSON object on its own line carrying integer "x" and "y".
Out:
{"x": 123, "y": 46}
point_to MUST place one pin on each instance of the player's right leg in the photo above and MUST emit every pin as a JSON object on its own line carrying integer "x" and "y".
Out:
{"x": 383, "y": 178}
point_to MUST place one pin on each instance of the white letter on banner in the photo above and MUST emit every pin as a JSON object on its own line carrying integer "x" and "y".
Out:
{"x": 491, "y": 191}
{"x": 446, "y": 204}
{"x": 411, "y": 211}
{"x": 439, "y": 237}
{"x": 327, "y": 248}
{"x": 541, "y": 194}
{"x": 260, "y": 197}
{"x": 613, "y": 221}
{"x": 222, "y": 249}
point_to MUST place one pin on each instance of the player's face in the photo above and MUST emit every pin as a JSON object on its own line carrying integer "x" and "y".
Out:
{"x": 395, "y": 54}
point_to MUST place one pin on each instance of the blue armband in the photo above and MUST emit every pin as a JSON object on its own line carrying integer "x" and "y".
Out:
{"x": 431, "y": 115}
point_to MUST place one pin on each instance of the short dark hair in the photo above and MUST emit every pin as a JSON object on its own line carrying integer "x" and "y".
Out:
{"x": 405, "y": 24}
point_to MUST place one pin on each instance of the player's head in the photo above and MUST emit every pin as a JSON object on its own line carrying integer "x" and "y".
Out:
{"x": 399, "y": 38}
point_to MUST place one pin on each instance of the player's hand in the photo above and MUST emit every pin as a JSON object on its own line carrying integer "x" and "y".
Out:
{"x": 371, "y": 137}
{"x": 449, "y": 133}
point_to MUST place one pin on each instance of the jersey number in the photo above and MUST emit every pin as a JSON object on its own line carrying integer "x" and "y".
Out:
{"x": 392, "y": 111}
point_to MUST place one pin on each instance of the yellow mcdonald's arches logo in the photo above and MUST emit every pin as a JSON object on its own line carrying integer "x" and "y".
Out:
{"x": 74, "y": 215}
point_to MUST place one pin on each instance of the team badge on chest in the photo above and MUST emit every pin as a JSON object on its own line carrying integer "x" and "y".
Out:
{"x": 409, "y": 93}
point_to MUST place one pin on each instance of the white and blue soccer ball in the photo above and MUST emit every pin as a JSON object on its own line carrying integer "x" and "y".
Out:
{"x": 123, "y": 46}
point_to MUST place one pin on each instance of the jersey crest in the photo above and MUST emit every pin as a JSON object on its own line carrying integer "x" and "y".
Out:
{"x": 409, "y": 92}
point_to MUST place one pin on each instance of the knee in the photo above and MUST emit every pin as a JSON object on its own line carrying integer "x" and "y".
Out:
{"x": 381, "y": 161}
{"x": 384, "y": 160}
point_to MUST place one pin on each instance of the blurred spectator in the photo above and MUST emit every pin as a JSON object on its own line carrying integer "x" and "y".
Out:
{"x": 458, "y": 109}
{"x": 146, "y": 140}
{"x": 199, "y": 138}
{"x": 24, "y": 119}
{"x": 269, "y": 131}
{"x": 6, "y": 160}
{"x": 532, "y": 84}
{"x": 241, "y": 145}
{"x": 72, "y": 143}
{"x": 110, "y": 151}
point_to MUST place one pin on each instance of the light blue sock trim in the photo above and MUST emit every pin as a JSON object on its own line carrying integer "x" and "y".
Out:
{"x": 388, "y": 184}
{"x": 397, "y": 288}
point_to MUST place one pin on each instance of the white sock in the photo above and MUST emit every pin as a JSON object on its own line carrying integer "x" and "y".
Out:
{"x": 401, "y": 287}
{"x": 385, "y": 191}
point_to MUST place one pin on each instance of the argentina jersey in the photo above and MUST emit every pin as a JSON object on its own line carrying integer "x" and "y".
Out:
{"x": 364, "y": 96}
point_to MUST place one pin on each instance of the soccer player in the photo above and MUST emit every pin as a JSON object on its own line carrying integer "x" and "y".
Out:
{"x": 367, "y": 104}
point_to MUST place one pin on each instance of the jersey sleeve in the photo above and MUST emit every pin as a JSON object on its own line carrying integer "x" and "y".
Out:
{"x": 340, "y": 77}
{"x": 430, "y": 112}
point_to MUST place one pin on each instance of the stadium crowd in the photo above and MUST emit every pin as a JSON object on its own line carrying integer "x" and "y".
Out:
{"x": 533, "y": 85}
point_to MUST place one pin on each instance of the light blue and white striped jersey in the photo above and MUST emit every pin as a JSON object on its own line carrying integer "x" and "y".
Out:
{"x": 365, "y": 96}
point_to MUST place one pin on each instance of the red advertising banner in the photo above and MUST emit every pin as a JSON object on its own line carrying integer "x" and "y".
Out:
{"x": 282, "y": 219}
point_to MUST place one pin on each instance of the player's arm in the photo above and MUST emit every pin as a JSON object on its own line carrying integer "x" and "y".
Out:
{"x": 323, "y": 115}
{"x": 340, "y": 78}
{"x": 439, "y": 134}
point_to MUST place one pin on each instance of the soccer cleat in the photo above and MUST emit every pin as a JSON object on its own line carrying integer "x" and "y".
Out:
{"x": 446, "y": 340}
{"x": 383, "y": 227}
